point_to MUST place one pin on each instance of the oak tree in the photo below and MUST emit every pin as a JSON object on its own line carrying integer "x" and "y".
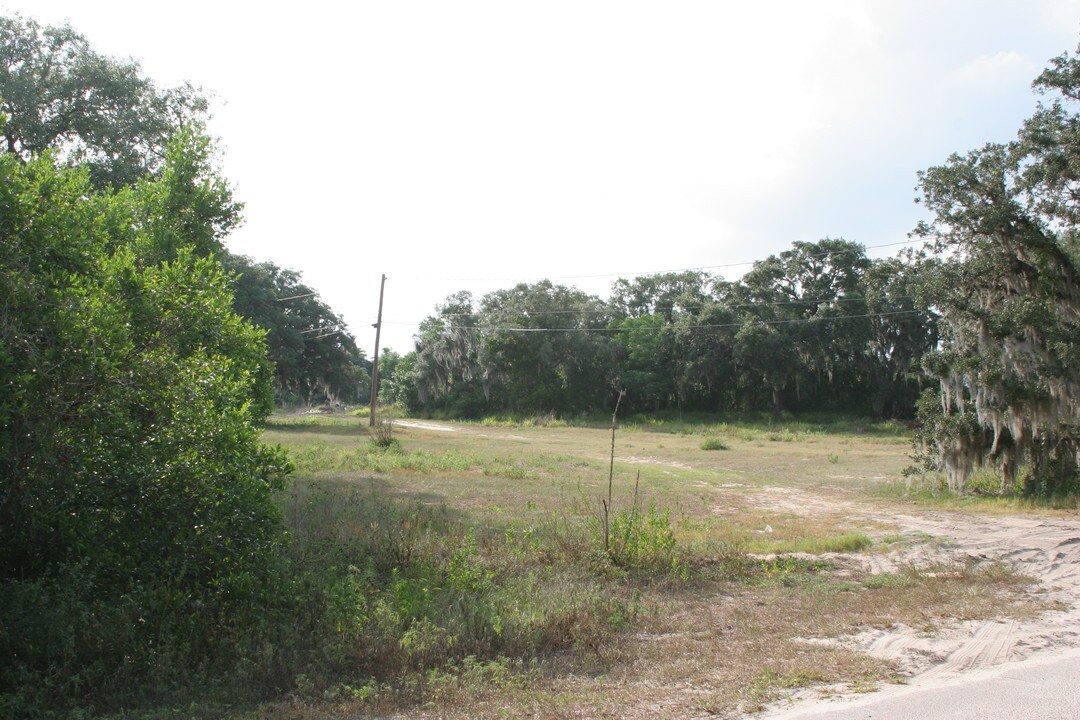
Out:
{"x": 96, "y": 111}
{"x": 1006, "y": 280}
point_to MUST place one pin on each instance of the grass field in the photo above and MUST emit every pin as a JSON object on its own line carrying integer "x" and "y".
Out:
{"x": 472, "y": 577}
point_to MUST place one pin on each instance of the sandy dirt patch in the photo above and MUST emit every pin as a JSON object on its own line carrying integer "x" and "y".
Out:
{"x": 636, "y": 460}
{"x": 425, "y": 425}
{"x": 436, "y": 427}
{"x": 1045, "y": 549}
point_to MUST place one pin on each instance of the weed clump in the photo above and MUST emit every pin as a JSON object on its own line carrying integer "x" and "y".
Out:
{"x": 382, "y": 432}
{"x": 396, "y": 590}
{"x": 713, "y": 443}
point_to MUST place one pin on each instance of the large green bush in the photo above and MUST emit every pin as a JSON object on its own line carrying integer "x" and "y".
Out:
{"x": 137, "y": 529}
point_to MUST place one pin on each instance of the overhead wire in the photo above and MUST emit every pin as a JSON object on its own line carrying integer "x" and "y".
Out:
{"x": 702, "y": 306}
{"x": 296, "y": 297}
{"x": 703, "y": 326}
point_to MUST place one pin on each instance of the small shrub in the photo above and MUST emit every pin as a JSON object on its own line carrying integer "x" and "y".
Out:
{"x": 844, "y": 543}
{"x": 465, "y": 571}
{"x": 713, "y": 443}
{"x": 426, "y": 644}
{"x": 644, "y": 541}
{"x": 788, "y": 571}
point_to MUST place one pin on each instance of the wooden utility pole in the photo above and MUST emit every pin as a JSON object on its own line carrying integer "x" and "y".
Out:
{"x": 375, "y": 362}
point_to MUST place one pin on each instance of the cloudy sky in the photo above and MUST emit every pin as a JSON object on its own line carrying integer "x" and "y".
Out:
{"x": 462, "y": 145}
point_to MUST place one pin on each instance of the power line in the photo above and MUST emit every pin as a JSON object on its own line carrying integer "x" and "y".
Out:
{"x": 666, "y": 326}
{"x": 857, "y": 248}
{"x": 703, "y": 306}
{"x": 297, "y": 297}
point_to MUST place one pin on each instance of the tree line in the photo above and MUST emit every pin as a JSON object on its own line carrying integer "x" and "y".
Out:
{"x": 315, "y": 357}
{"x": 141, "y": 545}
{"x": 818, "y": 327}
{"x": 1002, "y": 266}
{"x": 64, "y": 99}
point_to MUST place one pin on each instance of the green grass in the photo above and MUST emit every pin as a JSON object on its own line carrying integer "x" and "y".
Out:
{"x": 851, "y": 542}
{"x": 700, "y": 423}
{"x": 408, "y": 590}
{"x": 759, "y": 423}
{"x": 317, "y": 458}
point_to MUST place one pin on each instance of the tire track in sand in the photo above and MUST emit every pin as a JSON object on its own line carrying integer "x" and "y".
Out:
{"x": 1046, "y": 549}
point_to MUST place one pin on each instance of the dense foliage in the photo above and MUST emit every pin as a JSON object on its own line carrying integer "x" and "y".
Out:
{"x": 137, "y": 528}
{"x": 1006, "y": 277}
{"x": 142, "y": 553}
{"x": 820, "y": 326}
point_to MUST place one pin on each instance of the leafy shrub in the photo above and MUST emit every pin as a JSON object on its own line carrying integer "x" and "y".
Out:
{"x": 139, "y": 540}
{"x": 713, "y": 443}
{"x": 644, "y": 541}
{"x": 393, "y": 586}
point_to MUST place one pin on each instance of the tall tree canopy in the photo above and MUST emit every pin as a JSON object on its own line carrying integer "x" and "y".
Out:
{"x": 59, "y": 93}
{"x": 533, "y": 348}
{"x": 450, "y": 368}
{"x": 810, "y": 325}
{"x": 547, "y": 348}
{"x": 1006, "y": 280}
{"x": 653, "y": 369}
{"x": 817, "y": 327}
{"x": 102, "y": 114}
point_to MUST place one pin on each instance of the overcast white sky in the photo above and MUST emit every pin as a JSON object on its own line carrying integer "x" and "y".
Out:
{"x": 462, "y": 145}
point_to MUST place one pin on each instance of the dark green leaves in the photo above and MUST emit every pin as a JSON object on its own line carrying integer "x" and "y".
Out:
{"x": 130, "y": 459}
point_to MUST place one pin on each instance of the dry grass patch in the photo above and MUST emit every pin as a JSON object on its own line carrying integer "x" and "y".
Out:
{"x": 710, "y": 648}
{"x": 769, "y": 582}
{"x": 764, "y": 532}
{"x": 724, "y": 648}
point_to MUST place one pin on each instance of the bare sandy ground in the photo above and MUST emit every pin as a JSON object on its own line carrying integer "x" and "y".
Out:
{"x": 438, "y": 427}
{"x": 420, "y": 425}
{"x": 1045, "y": 549}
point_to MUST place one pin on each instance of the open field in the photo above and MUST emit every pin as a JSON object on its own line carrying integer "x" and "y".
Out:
{"x": 760, "y": 563}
